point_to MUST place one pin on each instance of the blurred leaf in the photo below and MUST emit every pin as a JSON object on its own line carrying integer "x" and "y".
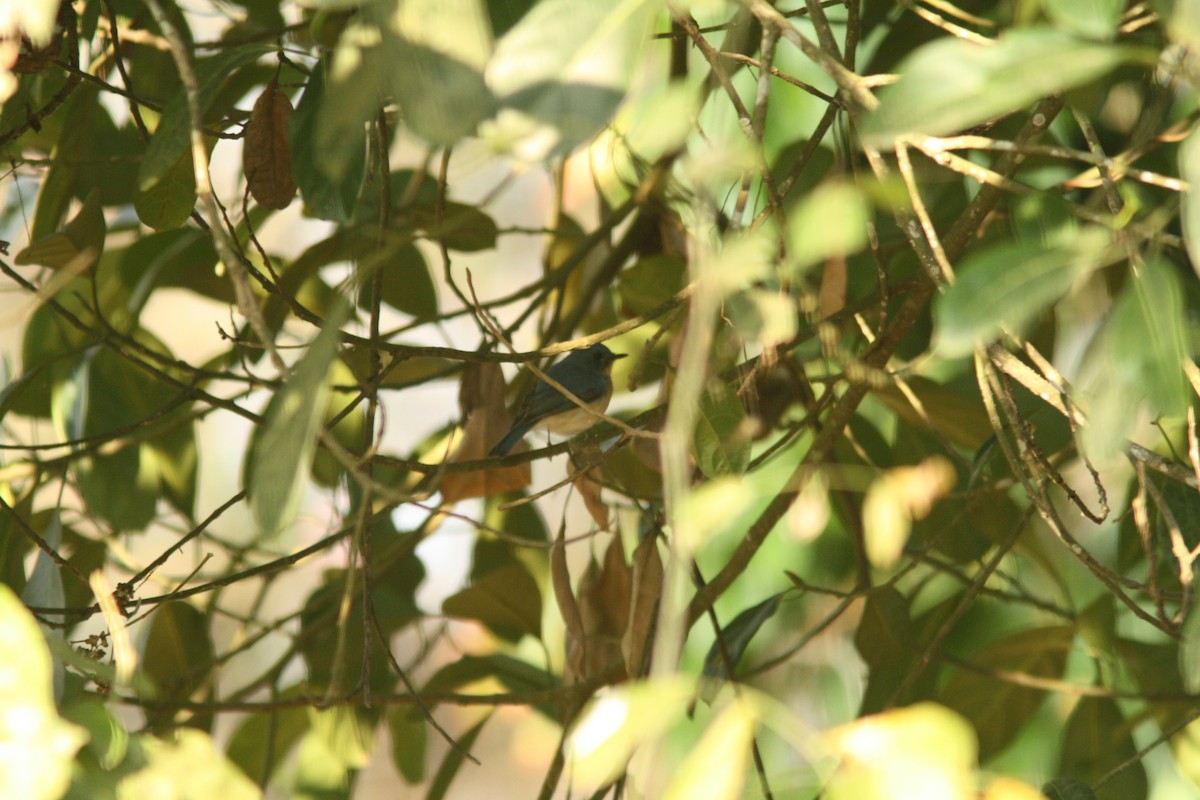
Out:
{"x": 407, "y": 285}
{"x": 1092, "y": 19}
{"x": 616, "y": 721}
{"x": 462, "y": 227}
{"x": 506, "y": 600}
{"x": 38, "y": 745}
{"x": 923, "y": 750}
{"x": 267, "y": 151}
{"x": 262, "y": 742}
{"x": 735, "y": 637}
{"x": 283, "y": 455}
{"x": 453, "y": 761}
{"x": 561, "y": 72}
{"x": 177, "y": 655}
{"x": 1067, "y": 789}
{"x": 442, "y": 43}
{"x": 829, "y": 222}
{"x": 960, "y": 418}
{"x": 106, "y": 394}
{"x": 349, "y": 432}
{"x": 1138, "y": 360}
{"x": 1189, "y": 651}
{"x": 1099, "y": 738}
{"x": 337, "y": 745}
{"x": 649, "y": 282}
{"x": 1007, "y": 285}
{"x": 721, "y": 446}
{"x": 899, "y": 496}
{"x": 762, "y": 316}
{"x": 325, "y": 197}
{"x": 951, "y": 84}
{"x": 998, "y": 709}
{"x": 407, "y": 729}
{"x": 516, "y": 675}
{"x": 715, "y": 767}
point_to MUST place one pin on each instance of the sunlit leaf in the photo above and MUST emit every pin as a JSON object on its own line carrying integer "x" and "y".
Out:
{"x": 951, "y": 84}
{"x": 1093, "y": 19}
{"x": 923, "y": 750}
{"x": 716, "y": 767}
{"x": 617, "y": 721}
{"x": 829, "y": 222}
{"x": 36, "y": 745}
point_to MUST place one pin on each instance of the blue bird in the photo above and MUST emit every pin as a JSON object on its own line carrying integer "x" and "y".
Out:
{"x": 585, "y": 373}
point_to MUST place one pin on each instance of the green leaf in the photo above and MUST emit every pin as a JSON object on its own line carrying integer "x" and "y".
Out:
{"x": 721, "y": 446}
{"x": 736, "y": 636}
{"x": 716, "y": 767}
{"x": 998, "y": 709}
{"x": 282, "y": 456}
{"x": 561, "y": 72}
{"x": 454, "y": 760}
{"x": 442, "y": 43}
{"x": 1139, "y": 360}
{"x": 326, "y": 197}
{"x": 178, "y": 653}
{"x": 268, "y": 735}
{"x": 829, "y": 222}
{"x": 617, "y": 721}
{"x": 188, "y": 766}
{"x": 517, "y": 675}
{"x": 1189, "y": 651}
{"x": 951, "y": 84}
{"x": 649, "y": 282}
{"x": 408, "y": 732}
{"x": 170, "y": 141}
{"x": 1098, "y": 738}
{"x": 38, "y": 746}
{"x": 1149, "y": 335}
{"x": 1067, "y": 789}
{"x": 1007, "y": 285}
{"x": 78, "y": 245}
{"x": 507, "y": 600}
{"x": 168, "y": 202}
{"x": 1092, "y": 19}
{"x": 407, "y": 285}
{"x": 336, "y": 746}
{"x": 906, "y": 752}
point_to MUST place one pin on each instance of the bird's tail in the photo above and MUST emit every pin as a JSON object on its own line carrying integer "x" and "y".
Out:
{"x": 510, "y": 440}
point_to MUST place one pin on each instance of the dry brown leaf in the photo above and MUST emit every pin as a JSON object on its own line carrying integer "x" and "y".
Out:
{"x": 481, "y": 398}
{"x": 575, "y": 644}
{"x": 589, "y": 490}
{"x": 647, "y": 588}
{"x": 267, "y": 151}
{"x": 832, "y": 296}
{"x": 604, "y": 595}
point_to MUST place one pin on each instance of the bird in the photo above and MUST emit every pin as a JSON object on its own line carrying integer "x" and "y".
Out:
{"x": 587, "y": 374}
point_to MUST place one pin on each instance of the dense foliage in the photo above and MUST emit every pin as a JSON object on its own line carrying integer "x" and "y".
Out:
{"x": 899, "y": 494}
